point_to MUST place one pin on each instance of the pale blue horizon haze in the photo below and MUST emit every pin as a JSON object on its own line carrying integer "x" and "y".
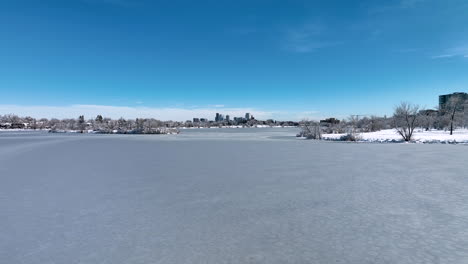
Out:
{"x": 276, "y": 59}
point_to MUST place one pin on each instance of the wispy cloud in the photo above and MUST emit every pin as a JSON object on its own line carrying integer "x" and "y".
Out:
{"x": 443, "y": 56}
{"x": 306, "y": 38}
{"x": 460, "y": 51}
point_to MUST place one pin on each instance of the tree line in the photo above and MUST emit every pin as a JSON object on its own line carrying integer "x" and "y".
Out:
{"x": 405, "y": 119}
{"x": 100, "y": 124}
{"x": 97, "y": 125}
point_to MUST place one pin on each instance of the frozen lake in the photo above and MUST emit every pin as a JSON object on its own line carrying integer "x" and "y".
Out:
{"x": 229, "y": 196}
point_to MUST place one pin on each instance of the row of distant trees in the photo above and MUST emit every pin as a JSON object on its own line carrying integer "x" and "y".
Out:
{"x": 103, "y": 124}
{"x": 107, "y": 125}
{"x": 99, "y": 124}
{"x": 351, "y": 127}
{"x": 405, "y": 119}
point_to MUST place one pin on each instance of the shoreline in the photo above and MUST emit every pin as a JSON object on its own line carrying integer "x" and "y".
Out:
{"x": 389, "y": 136}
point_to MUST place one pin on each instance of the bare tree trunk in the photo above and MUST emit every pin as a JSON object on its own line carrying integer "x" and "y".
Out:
{"x": 451, "y": 121}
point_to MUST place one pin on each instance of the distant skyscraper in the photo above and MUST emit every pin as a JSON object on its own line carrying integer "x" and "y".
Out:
{"x": 219, "y": 117}
{"x": 228, "y": 118}
{"x": 196, "y": 120}
{"x": 247, "y": 116}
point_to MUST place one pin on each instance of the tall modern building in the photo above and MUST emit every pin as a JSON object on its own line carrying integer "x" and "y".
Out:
{"x": 445, "y": 99}
{"x": 247, "y": 116}
{"x": 228, "y": 118}
{"x": 219, "y": 117}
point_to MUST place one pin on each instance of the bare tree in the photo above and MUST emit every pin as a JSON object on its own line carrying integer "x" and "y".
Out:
{"x": 99, "y": 119}
{"x": 81, "y": 123}
{"x": 354, "y": 123}
{"x": 122, "y": 124}
{"x": 453, "y": 111}
{"x": 376, "y": 124}
{"x": 310, "y": 130}
{"x": 428, "y": 119}
{"x": 405, "y": 119}
{"x": 140, "y": 124}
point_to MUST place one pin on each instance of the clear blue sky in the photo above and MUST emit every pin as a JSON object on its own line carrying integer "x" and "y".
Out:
{"x": 286, "y": 59}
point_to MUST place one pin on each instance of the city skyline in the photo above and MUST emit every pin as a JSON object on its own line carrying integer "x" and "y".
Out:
{"x": 285, "y": 61}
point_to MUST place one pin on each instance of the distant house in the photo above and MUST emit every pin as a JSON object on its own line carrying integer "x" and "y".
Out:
{"x": 17, "y": 126}
{"x": 330, "y": 121}
{"x": 428, "y": 112}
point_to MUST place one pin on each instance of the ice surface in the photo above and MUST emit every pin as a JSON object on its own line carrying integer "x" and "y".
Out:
{"x": 229, "y": 196}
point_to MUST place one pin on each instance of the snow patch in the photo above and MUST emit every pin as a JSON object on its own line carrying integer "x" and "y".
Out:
{"x": 419, "y": 136}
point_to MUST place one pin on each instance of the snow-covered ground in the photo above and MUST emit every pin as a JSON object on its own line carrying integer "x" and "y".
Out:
{"x": 229, "y": 196}
{"x": 420, "y": 136}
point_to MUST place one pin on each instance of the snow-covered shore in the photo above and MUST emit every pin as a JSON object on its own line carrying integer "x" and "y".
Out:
{"x": 420, "y": 136}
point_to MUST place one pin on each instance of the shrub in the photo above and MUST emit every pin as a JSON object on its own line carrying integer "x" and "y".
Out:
{"x": 350, "y": 137}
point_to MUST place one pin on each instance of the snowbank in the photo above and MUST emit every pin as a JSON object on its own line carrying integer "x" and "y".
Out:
{"x": 420, "y": 136}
